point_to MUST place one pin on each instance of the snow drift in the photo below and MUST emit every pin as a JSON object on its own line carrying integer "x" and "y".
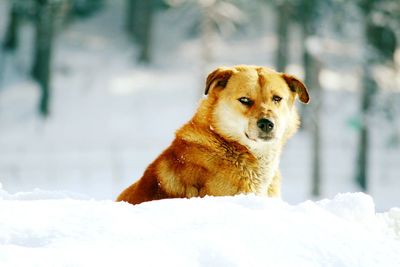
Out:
{"x": 59, "y": 229}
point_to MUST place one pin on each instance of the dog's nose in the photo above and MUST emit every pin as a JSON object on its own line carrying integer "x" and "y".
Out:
{"x": 265, "y": 125}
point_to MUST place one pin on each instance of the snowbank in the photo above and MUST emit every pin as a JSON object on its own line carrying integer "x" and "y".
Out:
{"x": 223, "y": 231}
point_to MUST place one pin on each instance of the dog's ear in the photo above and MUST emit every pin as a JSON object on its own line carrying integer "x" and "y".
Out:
{"x": 298, "y": 87}
{"x": 218, "y": 78}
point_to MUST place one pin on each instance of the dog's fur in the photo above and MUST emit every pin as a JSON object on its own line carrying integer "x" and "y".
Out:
{"x": 221, "y": 151}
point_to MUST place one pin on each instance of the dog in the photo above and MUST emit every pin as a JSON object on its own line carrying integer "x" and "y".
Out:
{"x": 233, "y": 143}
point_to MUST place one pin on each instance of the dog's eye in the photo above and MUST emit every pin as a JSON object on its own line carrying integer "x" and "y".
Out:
{"x": 276, "y": 99}
{"x": 246, "y": 101}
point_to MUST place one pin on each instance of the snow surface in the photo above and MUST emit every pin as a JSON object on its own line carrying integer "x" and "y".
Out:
{"x": 56, "y": 229}
{"x": 111, "y": 117}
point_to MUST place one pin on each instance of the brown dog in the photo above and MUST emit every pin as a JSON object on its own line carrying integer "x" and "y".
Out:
{"x": 233, "y": 143}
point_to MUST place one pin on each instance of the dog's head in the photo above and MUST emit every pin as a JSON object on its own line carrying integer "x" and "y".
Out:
{"x": 254, "y": 105}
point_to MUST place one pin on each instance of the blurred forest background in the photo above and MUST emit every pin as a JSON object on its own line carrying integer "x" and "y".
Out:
{"x": 92, "y": 90}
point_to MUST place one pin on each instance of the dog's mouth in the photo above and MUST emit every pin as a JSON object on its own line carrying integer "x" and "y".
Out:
{"x": 266, "y": 138}
{"x": 260, "y": 137}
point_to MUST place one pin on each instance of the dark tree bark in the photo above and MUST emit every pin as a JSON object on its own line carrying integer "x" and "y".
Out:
{"x": 316, "y": 93}
{"x": 139, "y": 25}
{"x": 381, "y": 43}
{"x": 283, "y": 21}
{"x": 44, "y": 25}
{"x": 131, "y": 9}
{"x": 312, "y": 112}
{"x": 85, "y": 8}
{"x": 368, "y": 91}
{"x": 145, "y": 35}
{"x": 369, "y": 88}
{"x": 11, "y": 37}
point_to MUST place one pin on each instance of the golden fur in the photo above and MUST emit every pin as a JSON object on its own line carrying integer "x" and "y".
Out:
{"x": 222, "y": 150}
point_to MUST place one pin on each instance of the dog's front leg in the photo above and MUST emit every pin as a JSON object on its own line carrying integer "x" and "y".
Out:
{"x": 274, "y": 189}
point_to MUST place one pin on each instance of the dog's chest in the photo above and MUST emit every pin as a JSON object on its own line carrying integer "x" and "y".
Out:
{"x": 254, "y": 174}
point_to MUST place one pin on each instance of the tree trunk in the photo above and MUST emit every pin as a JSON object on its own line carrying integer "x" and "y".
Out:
{"x": 307, "y": 57}
{"x": 362, "y": 159}
{"x": 145, "y": 28}
{"x": 316, "y": 93}
{"x": 11, "y": 37}
{"x": 139, "y": 20}
{"x": 311, "y": 113}
{"x": 283, "y": 19}
{"x": 368, "y": 91}
{"x": 131, "y": 10}
{"x": 43, "y": 51}
{"x": 312, "y": 69}
{"x": 207, "y": 41}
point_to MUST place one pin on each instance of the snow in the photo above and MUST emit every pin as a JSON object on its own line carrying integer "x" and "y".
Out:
{"x": 111, "y": 117}
{"x": 56, "y": 229}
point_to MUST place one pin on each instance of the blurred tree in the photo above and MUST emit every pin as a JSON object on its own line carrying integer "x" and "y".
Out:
{"x": 84, "y": 8}
{"x": 131, "y": 16}
{"x": 44, "y": 24}
{"x": 380, "y": 48}
{"x": 139, "y": 25}
{"x": 71, "y": 10}
{"x": 47, "y": 13}
{"x": 208, "y": 31}
{"x": 306, "y": 12}
{"x": 11, "y": 37}
{"x": 211, "y": 19}
{"x": 284, "y": 14}
{"x": 216, "y": 17}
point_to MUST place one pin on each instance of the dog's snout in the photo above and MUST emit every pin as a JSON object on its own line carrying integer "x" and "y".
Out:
{"x": 265, "y": 125}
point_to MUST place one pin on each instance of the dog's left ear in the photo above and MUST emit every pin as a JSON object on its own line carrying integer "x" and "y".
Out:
{"x": 218, "y": 78}
{"x": 298, "y": 87}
